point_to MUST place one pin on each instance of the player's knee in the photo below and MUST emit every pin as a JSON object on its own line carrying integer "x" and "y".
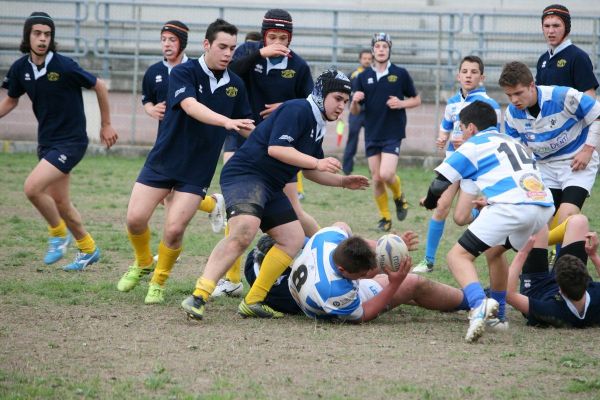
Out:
{"x": 388, "y": 176}
{"x": 174, "y": 232}
{"x": 135, "y": 222}
{"x": 31, "y": 190}
{"x": 241, "y": 237}
{"x": 578, "y": 223}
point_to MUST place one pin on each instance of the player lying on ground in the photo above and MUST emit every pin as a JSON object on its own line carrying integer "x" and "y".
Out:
{"x": 564, "y": 296}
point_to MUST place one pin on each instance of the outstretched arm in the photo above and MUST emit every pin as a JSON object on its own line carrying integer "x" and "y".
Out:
{"x": 513, "y": 297}
{"x": 591, "y": 248}
{"x": 353, "y": 182}
{"x": 200, "y": 112}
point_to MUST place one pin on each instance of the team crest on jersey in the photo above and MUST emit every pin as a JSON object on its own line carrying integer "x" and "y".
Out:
{"x": 158, "y": 79}
{"x": 53, "y": 76}
{"x": 392, "y": 78}
{"x": 231, "y": 91}
{"x": 534, "y": 187}
{"x": 27, "y": 76}
{"x": 288, "y": 73}
{"x": 561, "y": 63}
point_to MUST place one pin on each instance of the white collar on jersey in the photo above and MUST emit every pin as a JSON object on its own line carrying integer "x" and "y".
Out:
{"x": 280, "y": 65}
{"x": 38, "y": 74}
{"x": 553, "y": 51}
{"x": 214, "y": 85}
{"x": 321, "y": 122}
{"x": 379, "y": 75}
{"x": 170, "y": 67}
{"x": 573, "y": 309}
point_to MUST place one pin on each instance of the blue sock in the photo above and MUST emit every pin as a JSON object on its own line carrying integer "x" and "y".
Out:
{"x": 464, "y": 304}
{"x": 434, "y": 235}
{"x": 500, "y": 297}
{"x": 474, "y": 294}
{"x": 474, "y": 212}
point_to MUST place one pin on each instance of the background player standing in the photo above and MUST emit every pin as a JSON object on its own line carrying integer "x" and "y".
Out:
{"x": 53, "y": 82}
{"x": 386, "y": 91}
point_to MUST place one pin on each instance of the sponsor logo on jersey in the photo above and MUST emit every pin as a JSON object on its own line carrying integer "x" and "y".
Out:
{"x": 370, "y": 81}
{"x": 62, "y": 158}
{"x": 534, "y": 187}
{"x": 179, "y": 91}
{"x": 231, "y": 91}
{"x": 258, "y": 68}
{"x": 27, "y": 76}
{"x": 158, "y": 79}
{"x": 200, "y": 88}
{"x": 287, "y": 138}
{"x": 544, "y": 64}
{"x": 343, "y": 301}
{"x": 288, "y": 73}
{"x": 561, "y": 63}
{"x": 53, "y": 76}
{"x": 392, "y": 78}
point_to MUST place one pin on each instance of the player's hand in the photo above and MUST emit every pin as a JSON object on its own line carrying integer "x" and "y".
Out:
{"x": 422, "y": 201}
{"x": 591, "y": 243}
{"x": 108, "y": 136}
{"x": 158, "y": 111}
{"x": 239, "y": 124}
{"x": 397, "y": 277}
{"x": 457, "y": 141}
{"x": 358, "y": 96}
{"x": 269, "y": 108}
{"x": 329, "y": 164}
{"x": 479, "y": 203}
{"x": 528, "y": 245}
{"x": 582, "y": 159}
{"x": 411, "y": 239}
{"x": 274, "y": 50}
{"x": 441, "y": 141}
{"x": 394, "y": 103}
{"x": 355, "y": 182}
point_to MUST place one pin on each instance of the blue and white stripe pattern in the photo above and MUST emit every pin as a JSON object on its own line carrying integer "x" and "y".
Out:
{"x": 317, "y": 286}
{"x": 561, "y": 128}
{"x": 450, "y": 122}
{"x": 500, "y": 167}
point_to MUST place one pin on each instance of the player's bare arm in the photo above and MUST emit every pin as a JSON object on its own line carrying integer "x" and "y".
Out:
{"x": 200, "y": 112}
{"x": 269, "y": 108}
{"x": 291, "y": 156}
{"x": 274, "y": 50}
{"x": 7, "y": 105}
{"x": 396, "y": 104}
{"x": 352, "y": 182}
{"x": 513, "y": 297}
{"x": 108, "y": 135}
{"x": 357, "y": 97}
{"x": 591, "y": 248}
{"x": 156, "y": 111}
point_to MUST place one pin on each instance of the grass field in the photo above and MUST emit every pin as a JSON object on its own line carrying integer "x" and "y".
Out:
{"x": 74, "y": 336}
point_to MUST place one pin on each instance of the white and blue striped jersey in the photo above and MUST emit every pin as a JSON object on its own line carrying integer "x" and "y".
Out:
{"x": 450, "y": 123}
{"x": 316, "y": 284}
{"x": 500, "y": 167}
{"x": 561, "y": 128}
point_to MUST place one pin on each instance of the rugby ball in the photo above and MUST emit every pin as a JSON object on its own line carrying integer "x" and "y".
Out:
{"x": 390, "y": 251}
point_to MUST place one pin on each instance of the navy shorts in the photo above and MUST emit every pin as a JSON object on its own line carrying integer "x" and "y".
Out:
{"x": 233, "y": 141}
{"x": 151, "y": 178}
{"x": 279, "y": 296}
{"x": 63, "y": 156}
{"x": 248, "y": 194}
{"x": 390, "y": 146}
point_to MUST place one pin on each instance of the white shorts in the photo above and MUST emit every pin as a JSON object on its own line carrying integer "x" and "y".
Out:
{"x": 368, "y": 288}
{"x": 517, "y": 222}
{"x": 559, "y": 175}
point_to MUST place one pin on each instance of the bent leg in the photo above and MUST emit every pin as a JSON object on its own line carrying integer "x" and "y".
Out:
{"x": 309, "y": 224}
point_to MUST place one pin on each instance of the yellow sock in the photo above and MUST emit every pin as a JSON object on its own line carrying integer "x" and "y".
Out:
{"x": 208, "y": 204}
{"x": 275, "y": 262}
{"x": 59, "y": 230}
{"x": 554, "y": 222}
{"x": 204, "y": 288}
{"x": 382, "y": 205}
{"x": 300, "y": 184}
{"x": 396, "y": 188}
{"x": 86, "y": 244}
{"x": 166, "y": 260}
{"x": 141, "y": 247}
{"x": 234, "y": 274}
{"x": 557, "y": 234}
